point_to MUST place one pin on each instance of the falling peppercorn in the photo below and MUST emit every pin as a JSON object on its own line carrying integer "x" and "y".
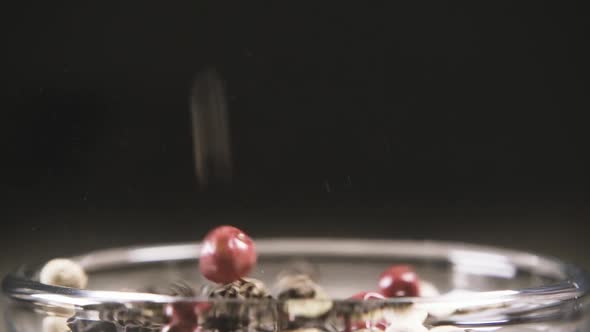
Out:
{"x": 227, "y": 254}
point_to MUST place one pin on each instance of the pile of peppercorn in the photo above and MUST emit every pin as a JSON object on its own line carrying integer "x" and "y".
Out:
{"x": 228, "y": 255}
{"x": 299, "y": 303}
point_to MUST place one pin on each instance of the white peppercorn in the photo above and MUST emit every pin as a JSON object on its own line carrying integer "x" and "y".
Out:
{"x": 63, "y": 272}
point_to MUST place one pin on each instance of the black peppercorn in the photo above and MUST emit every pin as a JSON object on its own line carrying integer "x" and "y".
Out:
{"x": 246, "y": 288}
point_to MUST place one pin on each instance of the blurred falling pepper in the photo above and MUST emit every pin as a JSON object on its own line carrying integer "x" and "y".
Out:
{"x": 210, "y": 129}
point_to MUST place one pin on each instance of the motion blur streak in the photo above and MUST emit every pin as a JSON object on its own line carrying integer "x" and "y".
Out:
{"x": 210, "y": 129}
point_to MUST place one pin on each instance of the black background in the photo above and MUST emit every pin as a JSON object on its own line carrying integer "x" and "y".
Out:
{"x": 456, "y": 121}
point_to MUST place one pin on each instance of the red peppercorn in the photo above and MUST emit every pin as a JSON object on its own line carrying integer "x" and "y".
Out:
{"x": 181, "y": 313}
{"x": 227, "y": 254}
{"x": 370, "y": 325}
{"x": 202, "y": 308}
{"x": 367, "y": 296}
{"x": 367, "y": 324}
{"x": 380, "y": 325}
{"x": 398, "y": 281}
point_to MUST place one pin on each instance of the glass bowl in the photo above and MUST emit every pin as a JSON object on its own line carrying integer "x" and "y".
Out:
{"x": 466, "y": 286}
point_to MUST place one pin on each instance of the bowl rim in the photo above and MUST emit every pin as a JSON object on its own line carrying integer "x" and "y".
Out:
{"x": 573, "y": 284}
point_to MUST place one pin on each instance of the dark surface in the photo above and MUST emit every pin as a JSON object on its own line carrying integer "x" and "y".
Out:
{"x": 443, "y": 121}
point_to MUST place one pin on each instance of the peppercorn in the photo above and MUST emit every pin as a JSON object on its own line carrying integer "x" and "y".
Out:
{"x": 227, "y": 254}
{"x": 298, "y": 286}
{"x": 399, "y": 281}
{"x": 63, "y": 272}
{"x": 246, "y": 288}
